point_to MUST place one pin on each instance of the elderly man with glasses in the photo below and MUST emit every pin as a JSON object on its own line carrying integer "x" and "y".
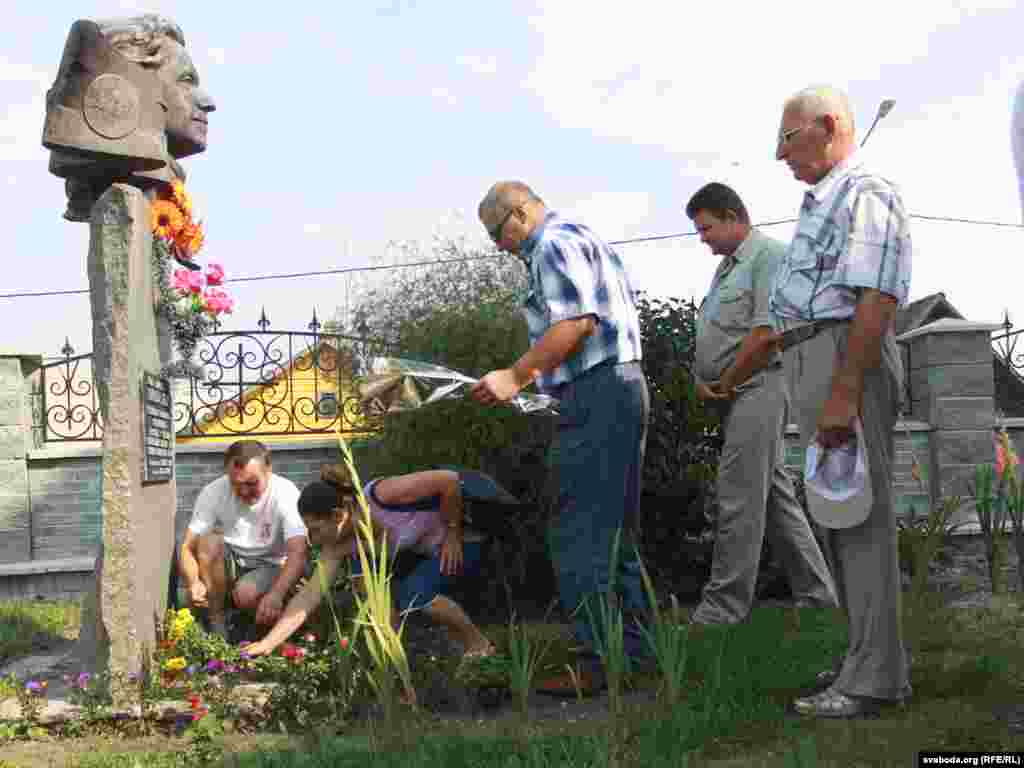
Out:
{"x": 585, "y": 350}
{"x": 841, "y": 281}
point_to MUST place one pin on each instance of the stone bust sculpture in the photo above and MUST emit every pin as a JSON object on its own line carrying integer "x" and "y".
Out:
{"x": 126, "y": 104}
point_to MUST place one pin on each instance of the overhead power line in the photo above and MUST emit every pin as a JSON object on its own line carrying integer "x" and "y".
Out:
{"x": 375, "y": 268}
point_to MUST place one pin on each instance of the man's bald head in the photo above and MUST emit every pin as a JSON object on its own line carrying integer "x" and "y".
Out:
{"x": 510, "y": 211}
{"x": 505, "y": 195}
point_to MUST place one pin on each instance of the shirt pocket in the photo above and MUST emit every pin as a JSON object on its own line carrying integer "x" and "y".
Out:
{"x": 821, "y": 253}
{"x": 735, "y": 305}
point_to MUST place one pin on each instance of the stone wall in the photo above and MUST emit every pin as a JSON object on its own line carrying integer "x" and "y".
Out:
{"x": 911, "y": 438}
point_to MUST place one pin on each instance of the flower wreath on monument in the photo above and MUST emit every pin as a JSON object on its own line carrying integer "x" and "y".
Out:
{"x": 190, "y": 299}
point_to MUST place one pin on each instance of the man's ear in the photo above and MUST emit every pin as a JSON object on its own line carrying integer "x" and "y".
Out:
{"x": 830, "y": 123}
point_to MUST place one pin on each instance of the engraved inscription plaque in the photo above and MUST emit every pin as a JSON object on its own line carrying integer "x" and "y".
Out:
{"x": 157, "y": 430}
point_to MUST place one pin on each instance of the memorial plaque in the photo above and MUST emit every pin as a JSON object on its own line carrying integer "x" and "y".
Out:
{"x": 158, "y": 431}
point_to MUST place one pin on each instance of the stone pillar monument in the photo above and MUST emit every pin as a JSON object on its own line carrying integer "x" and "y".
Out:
{"x": 951, "y": 381}
{"x": 125, "y": 105}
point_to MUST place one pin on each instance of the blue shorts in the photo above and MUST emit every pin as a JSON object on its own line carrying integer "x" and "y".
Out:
{"x": 418, "y": 578}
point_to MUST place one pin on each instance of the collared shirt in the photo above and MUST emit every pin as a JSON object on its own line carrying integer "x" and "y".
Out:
{"x": 573, "y": 273}
{"x": 853, "y": 233}
{"x": 737, "y": 302}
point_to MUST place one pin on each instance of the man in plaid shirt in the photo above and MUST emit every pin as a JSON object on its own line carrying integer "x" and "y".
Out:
{"x": 845, "y": 274}
{"x": 584, "y": 350}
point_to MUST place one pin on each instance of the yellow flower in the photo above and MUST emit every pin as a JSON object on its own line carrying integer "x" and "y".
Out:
{"x": 175, "y": 665}
{"x": 167, "y": 219}
{"x": 181, "y": 198}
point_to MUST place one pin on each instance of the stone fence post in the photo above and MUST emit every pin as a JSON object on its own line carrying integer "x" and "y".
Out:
{"x": 15, "y": 441}
{"x": 953, "y": 388}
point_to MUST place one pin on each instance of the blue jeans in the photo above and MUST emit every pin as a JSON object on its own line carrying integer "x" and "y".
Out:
{"x": 599, "y": 457}
{"x": 417, "y": 579}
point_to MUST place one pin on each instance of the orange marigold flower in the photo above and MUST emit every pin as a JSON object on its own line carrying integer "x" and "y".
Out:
{"x": 168, "y": 221}
{"x": 181, "y": 197}
{"x": 190, "y": 238}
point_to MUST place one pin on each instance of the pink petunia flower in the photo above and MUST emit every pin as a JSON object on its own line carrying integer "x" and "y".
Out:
{"x": 187, "y": 281}
{"x": 214, "y": 274}
{"x": 218, "y": 301}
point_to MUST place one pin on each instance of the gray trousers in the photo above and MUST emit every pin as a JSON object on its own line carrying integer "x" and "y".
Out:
{"x": 864, "y": 558}
{"x": 756, "y": 497}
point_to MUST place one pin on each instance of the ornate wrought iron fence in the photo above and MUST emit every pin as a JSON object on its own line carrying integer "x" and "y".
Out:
{"x": 255, "y": 382}
{"x": 1007, "y": 365}
{"x": 69, "y": 410}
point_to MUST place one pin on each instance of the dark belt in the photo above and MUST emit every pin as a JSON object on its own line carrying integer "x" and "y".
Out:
{"x": 795, "y": 336}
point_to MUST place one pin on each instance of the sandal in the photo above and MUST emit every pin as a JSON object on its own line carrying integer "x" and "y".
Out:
{"x": 832, "y": 703}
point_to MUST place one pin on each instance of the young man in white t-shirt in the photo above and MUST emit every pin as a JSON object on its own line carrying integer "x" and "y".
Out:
{"x": 245, "y": 536}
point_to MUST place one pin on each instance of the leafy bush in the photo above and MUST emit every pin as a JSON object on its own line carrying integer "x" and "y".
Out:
{"x": 683, "y": 441}
{"x": 684, "y": 438}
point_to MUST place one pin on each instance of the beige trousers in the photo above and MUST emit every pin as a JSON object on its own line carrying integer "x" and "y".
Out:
{"x": 864, "y": 559}
{"x": 756, "y": 498}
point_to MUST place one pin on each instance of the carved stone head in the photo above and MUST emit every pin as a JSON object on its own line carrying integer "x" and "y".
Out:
{"x": 103, "y": 107}
{"x": 149, "y": 53}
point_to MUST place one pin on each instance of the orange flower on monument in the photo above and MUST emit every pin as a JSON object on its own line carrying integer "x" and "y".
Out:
{"x": 190, "y": 238}
{"x": 181, "y": 198}
{"x": 168, "y": 220}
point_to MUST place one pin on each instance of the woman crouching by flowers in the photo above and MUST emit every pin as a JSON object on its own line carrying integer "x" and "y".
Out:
{"x": 420, "y": 515}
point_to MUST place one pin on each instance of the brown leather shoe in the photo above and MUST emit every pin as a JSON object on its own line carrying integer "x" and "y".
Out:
{"x": 590, "y": 681}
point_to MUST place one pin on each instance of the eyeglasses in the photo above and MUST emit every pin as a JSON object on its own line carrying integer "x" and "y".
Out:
{"x": 496, "y": 232}
{"x": 787, "y": 136}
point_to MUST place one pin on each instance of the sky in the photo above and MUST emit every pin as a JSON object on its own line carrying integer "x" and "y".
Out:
{"x": 349, "y": 126}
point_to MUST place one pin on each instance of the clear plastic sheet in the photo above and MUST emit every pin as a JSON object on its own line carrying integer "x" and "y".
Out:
{"x": 394, "y": 384}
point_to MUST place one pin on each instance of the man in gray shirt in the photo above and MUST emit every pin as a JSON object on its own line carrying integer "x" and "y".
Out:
{"x": 740, "y": 374}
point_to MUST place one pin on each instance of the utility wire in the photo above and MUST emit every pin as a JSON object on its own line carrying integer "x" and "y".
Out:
{"x": 631, "y": 241}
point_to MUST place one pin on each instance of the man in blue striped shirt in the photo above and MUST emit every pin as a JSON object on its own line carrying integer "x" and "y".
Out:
{"x": 585, "y": 350}
{"x": 844, "y": 275}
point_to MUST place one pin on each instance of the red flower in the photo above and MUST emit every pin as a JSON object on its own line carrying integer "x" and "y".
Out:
{"x": 343, "y": 643}
{"x": 290, "y": 651}
{"x": 194, "y": 701}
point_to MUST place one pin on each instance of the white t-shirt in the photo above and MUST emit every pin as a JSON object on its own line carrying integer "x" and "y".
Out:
{"x": 256, "y": 532}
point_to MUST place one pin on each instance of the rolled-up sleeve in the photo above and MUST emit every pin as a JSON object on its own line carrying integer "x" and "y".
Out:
{"x": 568, "y": 281}
{"x": 878, "y": 252}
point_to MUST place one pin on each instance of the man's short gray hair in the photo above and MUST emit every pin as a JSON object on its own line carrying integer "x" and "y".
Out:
{"x": 818, "y": 100}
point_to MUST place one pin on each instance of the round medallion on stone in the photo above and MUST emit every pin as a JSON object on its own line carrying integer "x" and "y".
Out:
{"x": 111, "y": 106}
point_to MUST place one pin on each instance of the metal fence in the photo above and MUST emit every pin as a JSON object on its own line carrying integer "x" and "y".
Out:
{"x": 1007, "y": 365}
{"x": 255, "y": 382}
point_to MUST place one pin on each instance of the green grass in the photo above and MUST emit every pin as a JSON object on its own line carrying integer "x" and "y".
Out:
{"x": 23, "y": 622}
{"x": 968, "y": 663}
